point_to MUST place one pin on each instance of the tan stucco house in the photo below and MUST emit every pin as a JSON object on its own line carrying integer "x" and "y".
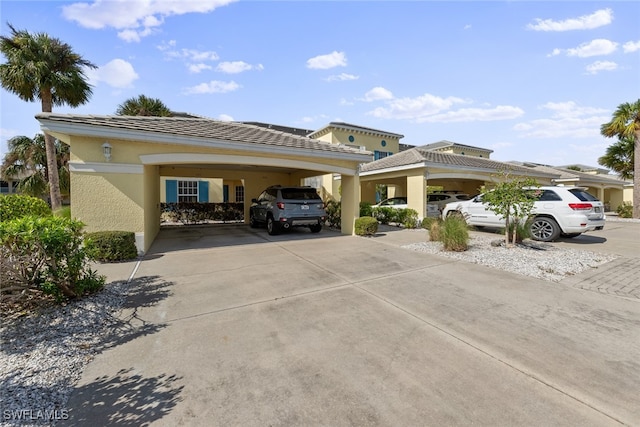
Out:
{"x": 119, "y": 162}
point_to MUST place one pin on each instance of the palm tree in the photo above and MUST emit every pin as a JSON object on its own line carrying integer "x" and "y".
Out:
{"x": 619, "y": 158}
{"x": 26, "y": 162}
{"x": 625, "y": 123}
{"x": 41, "y": 67}
{"x": 143, "y": 106}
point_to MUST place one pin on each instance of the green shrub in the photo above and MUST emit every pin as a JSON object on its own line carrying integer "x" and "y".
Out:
{"x": 109, "y": 246}
{"x": 44, "y": 254}
{"x": 334, "y": 213}
{"x": 64, "y": 212}
{"x": 365, "y": 209}
{"x": 366, "y": 226}
{"x": 435, "y": 231}
{"x": 384, "y": 215}
{"x": 15, "y": 206}
{"x": 455, "y": 234}
{"x": 625, "y": 210}
{"x": 409, "y": 218}
{"x": 426, "y": 222}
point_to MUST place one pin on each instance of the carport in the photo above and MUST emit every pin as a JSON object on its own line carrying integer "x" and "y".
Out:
{"x": 410, "y": 172}
{"x": 117, "y": 161}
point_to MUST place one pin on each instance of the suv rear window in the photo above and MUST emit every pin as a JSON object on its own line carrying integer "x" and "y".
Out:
{"x": 300, "y": 194}
{"x": 583, "y": 195}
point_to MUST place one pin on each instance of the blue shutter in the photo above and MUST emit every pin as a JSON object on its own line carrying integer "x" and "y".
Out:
{"x": 172, "y": 191}
{"x": 203, "y": 191}
{"x": 225, "y": 193}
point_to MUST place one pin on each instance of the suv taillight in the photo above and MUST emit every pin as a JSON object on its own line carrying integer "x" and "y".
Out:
{"x": 280, "y": 205}
{"x": 580, "y": 206}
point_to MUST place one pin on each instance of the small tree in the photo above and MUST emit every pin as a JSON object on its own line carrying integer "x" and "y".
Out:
{"x": 512, "y": 199}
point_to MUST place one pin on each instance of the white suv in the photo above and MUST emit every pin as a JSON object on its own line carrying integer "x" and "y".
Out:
{"x": 559, "y": 211}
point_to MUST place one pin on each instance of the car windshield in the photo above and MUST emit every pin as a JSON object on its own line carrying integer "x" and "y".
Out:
{"x": 300, "y": 194}
{"x": 583, "y": 195}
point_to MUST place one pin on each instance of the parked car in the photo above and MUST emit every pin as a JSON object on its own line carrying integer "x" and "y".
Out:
{"x": 559, "y": 211}
{"x": 280, "y": 208}
{"x": 437, "y": 201}
{"x": 392, "y": 202}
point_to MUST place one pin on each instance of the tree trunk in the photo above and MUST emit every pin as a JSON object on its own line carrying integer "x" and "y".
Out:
{"x": 52, "y": 163}
{"x": 636, "y": 174}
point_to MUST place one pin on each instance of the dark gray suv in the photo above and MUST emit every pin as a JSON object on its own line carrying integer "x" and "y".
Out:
{"x": 281, "y": 208}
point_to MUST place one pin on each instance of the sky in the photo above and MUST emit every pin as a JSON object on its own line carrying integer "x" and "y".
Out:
{"x": 531, "y": 80}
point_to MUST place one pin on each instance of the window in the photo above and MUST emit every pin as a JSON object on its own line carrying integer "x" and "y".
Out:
{"x": 4, "y": 187}
{"x": 548, "y": 195}
{"x": 239, "y": 194}
{"x": 377, "y": 155}
{"x": 187, "y": 191}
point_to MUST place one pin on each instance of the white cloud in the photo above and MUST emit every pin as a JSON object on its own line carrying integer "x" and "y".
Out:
{"x": 586, "y": 22}
{"x": 416, "y": 109}
{"x": 501, "y": 112}
{"x": 197, "y": 68}
{"x": 377, "y": 93}
{"x": 567, "y": 120}
{"x": 346, "y": 102}
{"x": 225, "y": 118}
{"x": 598, "y": 66}
{"x": 134, "y": 19}
{"x": 593, "y": 48}
{"x": 467, "y": 27}
{"x": 193, "y": 59}
{"x": 214, "y": 86}
{"x": 331, "y": 60}
{"x": 117, "y": 73}
{"x": 630, "y": 47}
{"x": 236, "y": 67}
{"x": 312, "y": 119}
{"x": 342, "y": 77}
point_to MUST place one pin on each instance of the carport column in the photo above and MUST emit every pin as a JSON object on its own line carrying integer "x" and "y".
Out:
{"x": 252, "y": 189}
{"x": 350, "y": 203}
{"x": 417, "y": 192}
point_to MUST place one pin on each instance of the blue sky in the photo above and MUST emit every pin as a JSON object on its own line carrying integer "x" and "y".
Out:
{"x": 531, "y": 80}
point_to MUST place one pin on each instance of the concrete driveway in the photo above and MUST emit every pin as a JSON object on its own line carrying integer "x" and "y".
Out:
{"x": 230, "y": 326}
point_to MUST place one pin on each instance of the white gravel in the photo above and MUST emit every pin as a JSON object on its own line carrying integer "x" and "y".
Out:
{"x": 541, "y": 260}
{"x": 42, "y": 356}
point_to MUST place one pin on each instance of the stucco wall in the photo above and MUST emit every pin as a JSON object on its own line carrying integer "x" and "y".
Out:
{"x": 102, "y": 200}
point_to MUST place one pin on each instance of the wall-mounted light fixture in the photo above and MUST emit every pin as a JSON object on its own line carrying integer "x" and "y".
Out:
{"x": 106, "y": 150}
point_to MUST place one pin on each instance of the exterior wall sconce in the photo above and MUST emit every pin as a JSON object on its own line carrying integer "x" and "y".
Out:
{"x": 106, "y": 150}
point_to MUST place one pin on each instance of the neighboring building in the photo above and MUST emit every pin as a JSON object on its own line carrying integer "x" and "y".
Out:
{"x": 411, "y": 172}
{"x": 381, "y": 143}
{"x": 610, "y": 189}
{"x": 456, "y": 148}
{"x": 8, "y": 187}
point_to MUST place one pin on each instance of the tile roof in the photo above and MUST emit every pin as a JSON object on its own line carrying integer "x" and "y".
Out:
{"x": 349, "y": 126}
{"x": 424, "y": 157}
{"x": 445, "y": 143}
{"x": 166, "y": 129}
{"x": 570, "y": 174}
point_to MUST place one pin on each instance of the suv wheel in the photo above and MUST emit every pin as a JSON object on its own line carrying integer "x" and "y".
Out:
{"x": 252, "y": 221}
{"x": 315, "y": 228}
{"x": 544, "y": 229}
{"x": 273, "y": 227}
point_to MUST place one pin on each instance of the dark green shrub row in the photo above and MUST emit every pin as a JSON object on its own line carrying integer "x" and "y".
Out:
{"x": 194, "y": 213}
{"x": 45, "y": 254}
{"x": 366, "y": 226}
{"x": 109, "y": 246}
{"x": 453, "y": 232}
{"x": 15, "y": 206}
{"x": 625, "y": 210}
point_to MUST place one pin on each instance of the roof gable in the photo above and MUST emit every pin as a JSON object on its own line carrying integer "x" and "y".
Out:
{"x": 354, "y": 128}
